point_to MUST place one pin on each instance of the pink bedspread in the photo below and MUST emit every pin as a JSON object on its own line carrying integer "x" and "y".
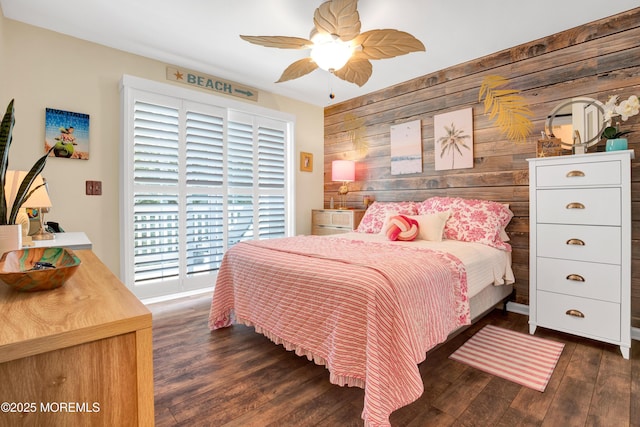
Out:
{"x": 367, "y": 311}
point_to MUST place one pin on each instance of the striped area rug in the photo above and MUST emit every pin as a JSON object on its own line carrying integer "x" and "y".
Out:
{"x": 522, "y": 358}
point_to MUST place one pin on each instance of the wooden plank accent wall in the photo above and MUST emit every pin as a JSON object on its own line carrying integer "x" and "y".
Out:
{"x": 596, "y": 60}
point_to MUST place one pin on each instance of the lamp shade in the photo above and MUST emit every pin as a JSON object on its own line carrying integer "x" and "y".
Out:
{"x": 39, "y": 198}
{"x": 343, "y": 170}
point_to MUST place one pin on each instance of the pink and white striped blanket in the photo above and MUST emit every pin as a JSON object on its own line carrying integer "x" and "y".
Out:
{"x": 367, "y": 311}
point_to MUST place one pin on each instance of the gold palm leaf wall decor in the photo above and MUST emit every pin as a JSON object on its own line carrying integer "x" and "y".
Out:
{"x": 509, "y": 109}
{"x": 337, "y": 25}
{"x": 354, "y": 127}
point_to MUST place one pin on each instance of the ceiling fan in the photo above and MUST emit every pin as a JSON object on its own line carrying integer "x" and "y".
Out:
{"x": 338, "y": 46}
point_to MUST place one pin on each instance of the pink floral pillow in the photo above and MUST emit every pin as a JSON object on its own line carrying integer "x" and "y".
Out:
{"x": 374, "y": 218}
{"x": 471, "y": 220}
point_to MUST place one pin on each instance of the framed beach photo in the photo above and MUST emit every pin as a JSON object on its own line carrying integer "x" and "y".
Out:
{"x": 406, "y": 148}
{"x": 68, "y": 133}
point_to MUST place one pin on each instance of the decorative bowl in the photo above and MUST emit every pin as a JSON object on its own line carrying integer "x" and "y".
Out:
{"x": 37, "y": 269}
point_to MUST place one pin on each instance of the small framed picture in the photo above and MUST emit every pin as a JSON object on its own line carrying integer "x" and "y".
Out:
{"x": 550, "y": 147}
{"x": 306, "y": 162}
{"x": 67, "y": 133}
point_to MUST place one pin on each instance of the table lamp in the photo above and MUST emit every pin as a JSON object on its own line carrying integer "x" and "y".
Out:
{"x": 345, "y": 171}
{"x": 39, "y": 199}
{"x": 12, "y": 184}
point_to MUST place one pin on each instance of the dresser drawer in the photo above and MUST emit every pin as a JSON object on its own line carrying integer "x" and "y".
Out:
{"x": 335, "y": 221}
{"x": 579, "y": 174}
{"x": 601, "y": 318}
{"x": 322, "y": 230}
{"x": 583, "y": 279}
{"x": 594, "y": 206}
{"x": 601, "y": 244}
{"x": 333, "y": 218}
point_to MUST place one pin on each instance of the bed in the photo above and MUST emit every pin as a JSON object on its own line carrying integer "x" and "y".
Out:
{"x": 366, "y": 307}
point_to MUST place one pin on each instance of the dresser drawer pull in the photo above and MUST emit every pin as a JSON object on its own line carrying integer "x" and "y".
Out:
{"x": 575, "y": 278}
{"x": 575, "y": 205}
{"x": 574, "y": 173}
{"x": 574, "y": 313}
{"x": 576, "y": 242}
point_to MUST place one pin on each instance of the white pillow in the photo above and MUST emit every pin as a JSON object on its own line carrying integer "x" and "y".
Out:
{"x": 431, "y": 226}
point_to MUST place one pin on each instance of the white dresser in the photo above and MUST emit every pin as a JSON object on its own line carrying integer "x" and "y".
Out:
{"x": 580, "y": 245}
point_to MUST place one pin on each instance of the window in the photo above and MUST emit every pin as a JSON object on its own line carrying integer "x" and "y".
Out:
{"x": 199, "y": 174}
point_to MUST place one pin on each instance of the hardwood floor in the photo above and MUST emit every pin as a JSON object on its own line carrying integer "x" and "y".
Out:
{"x": 236, "y": 377}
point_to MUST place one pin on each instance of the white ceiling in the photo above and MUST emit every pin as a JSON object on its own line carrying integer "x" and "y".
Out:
{"x": 202, "y": 35}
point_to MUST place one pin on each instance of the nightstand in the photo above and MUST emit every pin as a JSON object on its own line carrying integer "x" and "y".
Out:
{"x": 335, "y": 221}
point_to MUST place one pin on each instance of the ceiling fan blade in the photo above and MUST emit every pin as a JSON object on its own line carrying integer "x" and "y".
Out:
{"x": 357, "y": 70}
{"x": 282, "y": 42}
{"x": 298, "y": 69}
{"x": 339, "y": 17}
{"x": 382, "y": 44}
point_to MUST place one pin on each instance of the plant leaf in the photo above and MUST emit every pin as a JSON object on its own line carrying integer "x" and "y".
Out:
{"x": 6, "y": 136}
{"x": 23, "y": 191}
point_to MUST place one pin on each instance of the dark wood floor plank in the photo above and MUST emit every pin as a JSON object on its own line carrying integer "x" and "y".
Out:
{"x": 585, "y": 363}
{"x": 488, "y": 408}
{"x": 280, "y": 410}
{"x": 611, "y": 401}
{"x": 433, "y": 387}
{"x": 164, "y": 418}
{"x": 513, "y": 417}
{"x": 206, "y": 377}
{"x": 457, "y": 397}
{"x": 236, "y": 377}
{"x": 634, "y": 411}
{"x": 571, "y": 404}
{"x": 532, "y": 405}
{"x": 225, "y": 405}
{"x": 433, "y": 417}
{"x": 484, "y": 410}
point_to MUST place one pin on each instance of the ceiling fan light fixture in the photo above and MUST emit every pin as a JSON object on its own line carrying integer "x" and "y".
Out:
{"x": 330, "y": 53}
{"x": 338, "y": 46}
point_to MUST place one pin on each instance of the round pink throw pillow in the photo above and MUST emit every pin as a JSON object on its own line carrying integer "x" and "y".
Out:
{"x": 400, "y": 227}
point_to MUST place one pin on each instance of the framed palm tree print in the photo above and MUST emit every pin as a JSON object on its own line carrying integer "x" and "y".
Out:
{"x": 453, "y": 136}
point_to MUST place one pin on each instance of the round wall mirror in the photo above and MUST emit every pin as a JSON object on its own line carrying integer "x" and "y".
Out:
{"x": 577, "y": 122}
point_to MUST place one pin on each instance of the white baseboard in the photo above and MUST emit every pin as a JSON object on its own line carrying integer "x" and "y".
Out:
{"x": 515, "y": 307}
{"x": 154, "y": 300}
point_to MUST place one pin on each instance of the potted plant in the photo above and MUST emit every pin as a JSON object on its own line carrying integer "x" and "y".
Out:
{"x": 614, "y": 113}
{"x": 8, "y": 214}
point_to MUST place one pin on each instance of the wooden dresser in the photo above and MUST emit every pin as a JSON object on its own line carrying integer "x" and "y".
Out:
{"x": 78, "y": 355}
{"x": 335, "y": 221}
{"x": 580, "y": 246}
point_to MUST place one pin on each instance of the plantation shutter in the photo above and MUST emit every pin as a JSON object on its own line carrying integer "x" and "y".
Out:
{"x": 240, "y": 184}
{"x": 204, "y": 168}
{"x": 199, "y": 178}
{"x": 271, "y": 181}
{"x": 156, "y": 175}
